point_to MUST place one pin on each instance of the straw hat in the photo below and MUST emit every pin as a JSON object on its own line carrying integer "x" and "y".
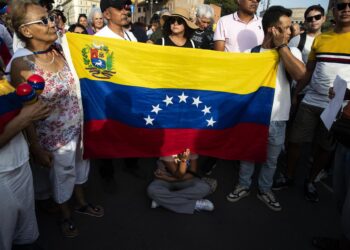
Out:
{"x": 185, "y": 15}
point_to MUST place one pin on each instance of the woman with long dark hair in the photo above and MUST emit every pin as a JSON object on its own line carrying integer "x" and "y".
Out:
{"x": 178, "y": 30}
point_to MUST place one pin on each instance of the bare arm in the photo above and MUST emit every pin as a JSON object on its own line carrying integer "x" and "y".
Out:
{"x": 219, "y": 45}
{"x": 27, "y": 115}
{"x": 310, "y": 67}
{"x": 293, "y": 65}
{"x": 20, "y": 71}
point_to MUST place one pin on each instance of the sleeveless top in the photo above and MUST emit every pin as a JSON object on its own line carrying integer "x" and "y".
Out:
{"x": 60, "y": 94}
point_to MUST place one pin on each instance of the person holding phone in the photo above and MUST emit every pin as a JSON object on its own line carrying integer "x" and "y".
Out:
{"x": 176, "y": 186}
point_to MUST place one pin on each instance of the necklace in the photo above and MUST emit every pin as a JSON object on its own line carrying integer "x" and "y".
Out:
{"x": 47, "y": 63}
{"x": 42, "y": 51}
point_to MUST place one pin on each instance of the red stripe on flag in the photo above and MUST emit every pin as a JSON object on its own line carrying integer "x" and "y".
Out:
{"x": 5, "y": 118}
{"x": 112, "y": 139}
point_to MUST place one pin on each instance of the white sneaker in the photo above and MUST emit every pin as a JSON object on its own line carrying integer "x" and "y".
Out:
{"x": 204, "y": 205}
{"x": 154, "y": 204}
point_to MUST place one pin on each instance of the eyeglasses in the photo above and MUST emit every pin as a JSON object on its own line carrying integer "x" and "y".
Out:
{"x": 42, "y": 21}
{"x": 342, "y": 6}
{"x": 309, "y": 19}
{"x": 178, "y": 20}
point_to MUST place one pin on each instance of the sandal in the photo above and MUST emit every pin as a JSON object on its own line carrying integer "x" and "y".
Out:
{"x": 69, "y": 229}
{"x": 92, "y": 210}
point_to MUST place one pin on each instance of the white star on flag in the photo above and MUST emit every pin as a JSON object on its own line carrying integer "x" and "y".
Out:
{"x": 183, "y": 97}
{"x": 196, "y": 101}
{"x": 149, "y": 120}
{"x": 156, "y": 109}
{"x": 168, "y": 100}
{"x": 206, "y": 110}
{"x": 211, "y": 122}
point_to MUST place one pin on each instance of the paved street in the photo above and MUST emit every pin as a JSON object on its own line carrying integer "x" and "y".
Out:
{"x": 130, "y": 223}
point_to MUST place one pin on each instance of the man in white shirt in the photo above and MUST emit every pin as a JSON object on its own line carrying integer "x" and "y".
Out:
{"x": 241, "y": 30}
{"x": 116, "y": 14}
{"x": 277, "y": 28}
{"x": 314, "y": 19}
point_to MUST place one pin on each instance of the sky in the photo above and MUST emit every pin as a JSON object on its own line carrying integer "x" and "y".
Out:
{"x": 298, "y": 3}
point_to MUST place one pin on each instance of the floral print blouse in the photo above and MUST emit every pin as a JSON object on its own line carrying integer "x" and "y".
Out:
{"x": 64, "y": 121}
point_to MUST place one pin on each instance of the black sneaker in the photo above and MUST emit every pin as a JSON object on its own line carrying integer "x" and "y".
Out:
{"x": 282, "y": 182}
{"x": 311, "y": 192}
{"x": 270, "y": 200}
{"x": 238, "y": 193}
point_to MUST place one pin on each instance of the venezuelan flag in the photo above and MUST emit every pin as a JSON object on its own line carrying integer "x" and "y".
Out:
{"x": 10, "y": 104}
{"x": 144, "y": 100}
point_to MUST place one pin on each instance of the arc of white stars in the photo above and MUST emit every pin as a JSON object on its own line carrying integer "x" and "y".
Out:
{"x": 210, "y": 122}
{"x": 149, "y": 120}
{"x": 182, "y": 97}
{"x": 196, "y": 101}
{"x": 168, "y": 100}
{"x": 156, "y": 109}
{"x": 206, "y": 110}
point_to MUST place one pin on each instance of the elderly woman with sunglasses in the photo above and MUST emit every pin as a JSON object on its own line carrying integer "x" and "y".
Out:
{"x": 178, "y": 30}
{"x": 54, "y": 141}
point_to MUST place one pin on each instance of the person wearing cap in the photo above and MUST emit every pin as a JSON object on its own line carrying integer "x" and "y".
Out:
{"x": 178, "y": 30}
{"x": 158, "y": 33}
{"x": 241, "y": 30}
{"x": 116, "y": 14}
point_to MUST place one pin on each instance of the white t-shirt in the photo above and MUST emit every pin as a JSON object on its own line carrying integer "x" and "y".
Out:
{"x": 294, "y": 42}
{"x": 281, "y": 101}
{"x": 238, "y": 35}
{"x": 107, "y": 32}
{"x": 14, "y": 154}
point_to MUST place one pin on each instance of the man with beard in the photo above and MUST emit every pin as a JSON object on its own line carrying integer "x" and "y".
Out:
{"x": 329, "y": 57}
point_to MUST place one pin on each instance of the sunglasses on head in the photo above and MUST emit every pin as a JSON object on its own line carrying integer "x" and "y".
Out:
{"x": 342, "y": 6}
{"x": 309, "y": 19}
{"x": 42, "y": 21}
{"x": 178, "y": 20}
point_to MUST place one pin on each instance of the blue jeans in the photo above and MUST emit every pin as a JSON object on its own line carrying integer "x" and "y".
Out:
{"x": 274, "y": 146}
{"x": 341, "y": 185}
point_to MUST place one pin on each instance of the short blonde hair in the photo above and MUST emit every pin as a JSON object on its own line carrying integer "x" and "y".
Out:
{"x": 18, "y": 15}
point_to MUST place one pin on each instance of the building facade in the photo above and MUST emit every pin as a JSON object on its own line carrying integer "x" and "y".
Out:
{"x": 298, "y": 15}
{"x": 144, "y": 9}
{"x": 72, "y": 8}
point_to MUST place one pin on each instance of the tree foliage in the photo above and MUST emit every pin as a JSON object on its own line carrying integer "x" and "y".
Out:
{"x": 227, "y": 6}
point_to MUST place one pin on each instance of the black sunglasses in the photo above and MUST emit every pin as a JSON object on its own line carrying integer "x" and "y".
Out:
{"x": 342, "y": 6}
{"x": 124, "y": 7}
{"x": 179, "y": 20}
{"x": 309, "y": 19}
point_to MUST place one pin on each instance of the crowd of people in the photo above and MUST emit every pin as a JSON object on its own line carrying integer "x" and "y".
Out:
{"x": 41, "y": 151}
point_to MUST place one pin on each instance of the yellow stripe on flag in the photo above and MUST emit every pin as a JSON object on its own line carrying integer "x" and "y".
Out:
{"x": 154, "y": 66}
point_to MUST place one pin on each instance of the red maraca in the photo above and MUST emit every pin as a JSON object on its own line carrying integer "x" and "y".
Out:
{"x": 37, "y": 82}
{"x": 26, "y": 93}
